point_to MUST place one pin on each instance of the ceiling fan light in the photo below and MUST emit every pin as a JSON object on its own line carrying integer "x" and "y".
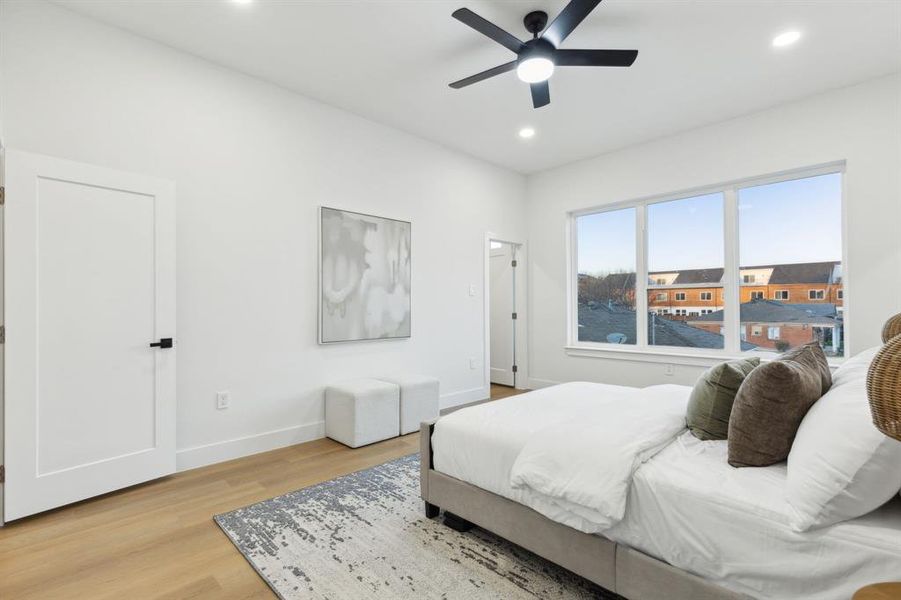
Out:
{"x": 534, "y": 70}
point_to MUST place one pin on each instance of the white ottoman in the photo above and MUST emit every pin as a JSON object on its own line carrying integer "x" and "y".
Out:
{"x": 362, "y": 412}
{"x": 418, "y": 400}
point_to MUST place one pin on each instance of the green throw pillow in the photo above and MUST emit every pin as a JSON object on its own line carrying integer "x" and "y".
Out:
{"x": 711, "y": 400}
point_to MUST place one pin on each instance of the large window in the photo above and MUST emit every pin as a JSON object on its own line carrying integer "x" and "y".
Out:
{"x": 606, "y": 277}
{"x": 799, "y": 257}
{"x": 754, "y": 266}
{"x": 685, "y": 237}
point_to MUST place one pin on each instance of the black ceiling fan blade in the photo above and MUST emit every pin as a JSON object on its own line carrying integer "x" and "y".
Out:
{"x": 595, "y": 58}
{"x": 489, "y": 29}
{"x": 541, "y": 94}
{"x": 484, "y": 75}
{"x": 568, "y": 19}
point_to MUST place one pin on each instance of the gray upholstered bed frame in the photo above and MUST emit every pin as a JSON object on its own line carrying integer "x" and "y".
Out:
{"x": 613, "y": 566}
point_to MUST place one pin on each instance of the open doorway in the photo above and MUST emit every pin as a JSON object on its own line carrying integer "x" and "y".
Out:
{"x": 502, "y": 314}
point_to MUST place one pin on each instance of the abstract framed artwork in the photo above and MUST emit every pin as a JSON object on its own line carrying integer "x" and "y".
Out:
{"x": 364, "y": 277}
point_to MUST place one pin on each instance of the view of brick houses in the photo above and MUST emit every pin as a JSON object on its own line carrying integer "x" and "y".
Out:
{"x": 787, "y": 235}
{"x": 782, "y": 306}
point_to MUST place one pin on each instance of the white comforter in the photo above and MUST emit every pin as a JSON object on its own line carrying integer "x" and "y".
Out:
{"x": 583, "y": 465}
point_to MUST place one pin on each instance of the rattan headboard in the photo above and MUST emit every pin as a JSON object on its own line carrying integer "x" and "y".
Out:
{"x": 891, "y": 328}
{"x": 884, "y": 381}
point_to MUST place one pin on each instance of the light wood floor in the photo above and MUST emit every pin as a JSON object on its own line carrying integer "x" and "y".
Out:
{"x": 503, "y": 391}
{"x": 158, "y": 540}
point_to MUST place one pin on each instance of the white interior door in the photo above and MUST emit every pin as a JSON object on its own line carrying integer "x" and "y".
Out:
{"x": 502, "y": 307}
{"x": 90, "y": 284}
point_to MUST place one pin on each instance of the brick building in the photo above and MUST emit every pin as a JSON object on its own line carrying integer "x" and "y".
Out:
{"x": 773, "y": 325}
{"x": 695, "y": 292}
{"x": 782, "y": 306}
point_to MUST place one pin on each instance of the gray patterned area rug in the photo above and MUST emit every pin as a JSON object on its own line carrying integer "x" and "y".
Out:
{"x": 366, "y": 536}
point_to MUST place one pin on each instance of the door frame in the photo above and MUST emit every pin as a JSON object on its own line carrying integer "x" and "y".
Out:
{"x": 521, "y": 298}
{"x": 3, "y": 325}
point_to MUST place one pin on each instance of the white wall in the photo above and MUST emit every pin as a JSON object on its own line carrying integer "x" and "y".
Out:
{"x": 859, "y": 124}
{"x": 252, "y": 163}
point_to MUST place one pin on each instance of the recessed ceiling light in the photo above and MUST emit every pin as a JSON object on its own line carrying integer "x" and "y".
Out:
{"x": 526, "y": 132}
{"x": 242, "y": 1}
{"x": 786, "y": 38}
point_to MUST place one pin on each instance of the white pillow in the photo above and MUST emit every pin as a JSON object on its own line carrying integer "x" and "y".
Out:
{"x": 840, "y": 466}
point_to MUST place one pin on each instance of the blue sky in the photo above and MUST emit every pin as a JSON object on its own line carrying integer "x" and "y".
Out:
{"x": 786, "y": 222}
{"x": 686, "y": 234}
{"x": 607, "y": 242}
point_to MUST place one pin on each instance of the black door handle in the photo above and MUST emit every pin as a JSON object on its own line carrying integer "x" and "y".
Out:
{"x": 163, "y": 343}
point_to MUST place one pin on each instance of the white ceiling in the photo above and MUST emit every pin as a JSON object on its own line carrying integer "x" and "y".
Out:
{"x": 699, "y": 62}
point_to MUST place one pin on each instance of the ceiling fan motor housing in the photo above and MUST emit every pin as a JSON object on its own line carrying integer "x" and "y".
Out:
{"x": 537, "y": 48}
{"x": 535, "y": 22}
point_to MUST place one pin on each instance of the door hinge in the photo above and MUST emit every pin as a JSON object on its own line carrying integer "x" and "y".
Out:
{"x": 515, "y": 368}
{"x": 513, "y": 264}
{"x": 514, "y": 316}
{"x": 2, "y": 473}
{"x": 2, "y": 334}
{"x": 2, "y": 195}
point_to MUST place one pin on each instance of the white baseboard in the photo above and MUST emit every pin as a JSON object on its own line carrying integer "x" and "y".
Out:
{"x": 536, "y": 383}
{"x": 463, "y": 397}
{"x": 208, "y": 454}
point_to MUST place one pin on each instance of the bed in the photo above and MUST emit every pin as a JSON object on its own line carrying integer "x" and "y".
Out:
{"x": 693, "y": 527}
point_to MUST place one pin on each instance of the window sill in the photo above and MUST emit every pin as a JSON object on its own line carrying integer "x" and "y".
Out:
{"x": 668, "y": 356}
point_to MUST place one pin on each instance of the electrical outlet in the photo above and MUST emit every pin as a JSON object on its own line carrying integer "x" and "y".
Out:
{"x": 472, "y": 289}
{"x": 223, "y": 399}
{"x": 473, "y": 363}
{"x": 669, "y": 369}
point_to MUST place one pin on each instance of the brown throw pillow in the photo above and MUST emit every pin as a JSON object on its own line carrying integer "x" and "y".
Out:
{"x": 710, "y": 404}
{"x": 770, "y": 404}
{"x": 815, "y": 352}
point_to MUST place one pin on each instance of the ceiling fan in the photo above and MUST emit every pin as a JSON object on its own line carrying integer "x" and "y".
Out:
{"x": 537, "y": 58}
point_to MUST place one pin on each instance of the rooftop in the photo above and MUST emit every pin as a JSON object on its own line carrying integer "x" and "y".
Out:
{"x": 771, "y": 311}
{"x": 813, "y": 272}
{"x": 600, "y": 321}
